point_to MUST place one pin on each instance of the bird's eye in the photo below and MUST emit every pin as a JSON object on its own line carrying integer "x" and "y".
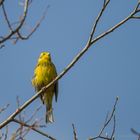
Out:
{"x": 43, "y": 54}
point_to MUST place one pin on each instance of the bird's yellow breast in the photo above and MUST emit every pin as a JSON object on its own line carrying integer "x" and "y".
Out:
{"x": 44, "y": 74}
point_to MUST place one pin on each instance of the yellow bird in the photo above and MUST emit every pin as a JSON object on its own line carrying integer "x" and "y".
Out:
{"x": 44, "y": 73}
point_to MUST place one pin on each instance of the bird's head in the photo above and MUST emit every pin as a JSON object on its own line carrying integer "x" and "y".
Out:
{"x": 44, "y": 56}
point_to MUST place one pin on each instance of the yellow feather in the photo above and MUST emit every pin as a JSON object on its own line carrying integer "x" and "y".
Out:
{"x": 44, "y": 73}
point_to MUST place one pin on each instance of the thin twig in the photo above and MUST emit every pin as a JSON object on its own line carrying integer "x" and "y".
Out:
{"x": 114, "y": 127}
{"x": 6, "y": 133}
{"x": 74, "y": 132}
{"x": 136, "y": 133}
{"x": 32, "y": 127}
{"x": 1, "y": 135}
{"x": 18, "y": 105}
{"x": 18, "y": 133}
{"x": 35, "y": 27}
{"x": 109, "y": 118}
{"x": 136, "y": 17}
{"x": 20, "y": 25}
{"x": 35, "y": 124}
{"x": 33, "y": 115}
{"x": 4, "y": 108}
{"x": 130, "y": 16}
{"x": 114, "y": 108}
{"x": 6, "y": 18}
{"x": 107, "y": 121}
{"x": 106, "y": 2}
{"x": 20, "y": 118}
{"x": 16, "y": 33}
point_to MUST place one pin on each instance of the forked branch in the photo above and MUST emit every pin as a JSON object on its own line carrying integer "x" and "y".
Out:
{"x": 34, "y": 128}
{"x": 15, "y": 33}
{"x": 107, "y": 122}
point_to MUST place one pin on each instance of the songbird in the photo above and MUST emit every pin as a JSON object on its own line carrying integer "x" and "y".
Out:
{"x": 44, "y": 73}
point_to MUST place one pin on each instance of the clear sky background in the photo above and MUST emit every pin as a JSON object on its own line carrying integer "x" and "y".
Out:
{"x": 87, "y": 92}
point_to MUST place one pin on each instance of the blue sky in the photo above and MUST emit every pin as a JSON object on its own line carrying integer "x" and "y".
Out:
{"x": 87, "y": 92}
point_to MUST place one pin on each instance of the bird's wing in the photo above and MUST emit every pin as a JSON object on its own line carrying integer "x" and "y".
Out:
{"x": 56, "y": 85}
{"x": 56, "y": 90}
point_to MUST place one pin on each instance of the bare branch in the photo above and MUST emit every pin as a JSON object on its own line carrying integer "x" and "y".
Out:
{"x": 35, "y": 27}
{"x": 130, "y": 16}
{"x": 106, "y": 2}
{"x": 136, "y": 133}
{"x": 107, "y": 121}
{"x": 18, "y": 105}
{"x": 22, "y": 131}
{"x": 114, "y": 108}
{"x": 15, "y": 33}
{"x": 6, "y": 133}
{"x": 4, "y": 108}
{"x": 20, "y": 118}
{"x": 74, "y": 132}
{"x": 6, "y": 18}
{"x": 33, "y": 115}
{"x": 136, "y": 17}
{"x": 32, "y": 127}
{"x": 21, "y": 23}
{"x": 114, "y": 127}
{"x": 137, "y": 7}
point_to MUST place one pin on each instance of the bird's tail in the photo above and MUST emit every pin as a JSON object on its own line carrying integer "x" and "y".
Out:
{"x": 49, "y": 115}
